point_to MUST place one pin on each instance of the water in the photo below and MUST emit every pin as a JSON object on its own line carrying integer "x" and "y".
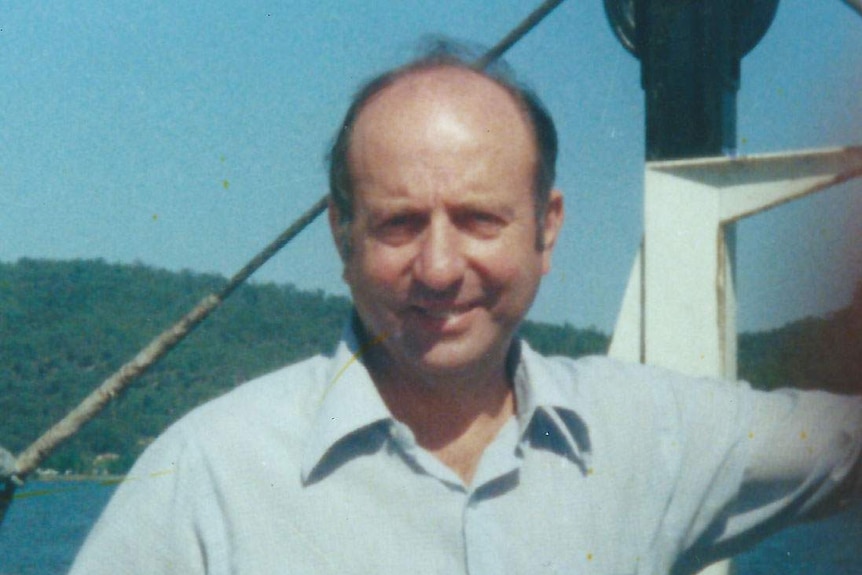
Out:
{"x": 48, "y": 522}
{"x": 829, "y": 547}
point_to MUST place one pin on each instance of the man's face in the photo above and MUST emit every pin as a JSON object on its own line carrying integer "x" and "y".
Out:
{"x": 443, "y": 262}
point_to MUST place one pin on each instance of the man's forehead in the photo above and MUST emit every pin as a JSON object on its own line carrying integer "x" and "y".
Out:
{"x": 430, "y": 89}
{"x": 423, "y": 109}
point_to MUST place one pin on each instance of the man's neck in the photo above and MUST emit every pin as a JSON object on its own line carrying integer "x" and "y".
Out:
{"x": 456, "y": 417}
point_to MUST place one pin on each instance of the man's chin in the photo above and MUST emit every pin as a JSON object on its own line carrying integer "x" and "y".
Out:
{"x": 451, "y": 359}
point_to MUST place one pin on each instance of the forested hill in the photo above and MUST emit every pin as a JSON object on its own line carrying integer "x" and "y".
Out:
{"x": 66, "y": 325}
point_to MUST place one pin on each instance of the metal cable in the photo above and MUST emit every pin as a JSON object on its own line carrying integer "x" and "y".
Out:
{"x": 855, "y": 5}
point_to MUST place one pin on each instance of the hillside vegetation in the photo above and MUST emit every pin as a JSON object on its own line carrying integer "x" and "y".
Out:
{"x": 66, "y": 325}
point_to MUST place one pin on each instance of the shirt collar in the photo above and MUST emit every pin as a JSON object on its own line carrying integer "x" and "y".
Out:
{"x": 551, "y": 412}
{"x": 545, "y": 393}
{"x": 349, "y": 404}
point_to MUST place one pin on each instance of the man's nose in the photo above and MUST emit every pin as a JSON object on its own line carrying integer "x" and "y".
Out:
{"x": 440, "y": 263}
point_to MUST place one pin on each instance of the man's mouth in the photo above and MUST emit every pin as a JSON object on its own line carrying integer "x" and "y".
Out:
{"x": 442, "y": 313}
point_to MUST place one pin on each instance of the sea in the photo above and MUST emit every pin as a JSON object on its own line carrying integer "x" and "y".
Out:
{"x": 48, "y": 521}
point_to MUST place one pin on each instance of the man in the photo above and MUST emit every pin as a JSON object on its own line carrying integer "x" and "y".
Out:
{"x": 434, "y": 440}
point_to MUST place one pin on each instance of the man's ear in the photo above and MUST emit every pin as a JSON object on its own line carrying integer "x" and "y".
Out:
{"x": 553, "y": 221}
{"x": 339, "y": 230}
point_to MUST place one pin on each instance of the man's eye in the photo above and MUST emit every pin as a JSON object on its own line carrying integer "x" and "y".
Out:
{"x": 399, "y": 227}
{"x": 402, "y": 221}
{"x": 483, "y": 224}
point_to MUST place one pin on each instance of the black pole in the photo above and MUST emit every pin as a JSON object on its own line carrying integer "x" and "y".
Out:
{"x": 690, "y": 77}
{"x": 690, "y": 53}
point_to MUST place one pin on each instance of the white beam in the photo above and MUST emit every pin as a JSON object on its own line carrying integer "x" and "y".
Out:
{"x": 679, "y": 308}
{"x": 752, "y": 184}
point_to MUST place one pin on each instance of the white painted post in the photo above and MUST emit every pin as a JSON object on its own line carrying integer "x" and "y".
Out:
{"x": 679, "y": 309}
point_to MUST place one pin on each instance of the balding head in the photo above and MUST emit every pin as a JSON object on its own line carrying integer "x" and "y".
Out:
{"x": 437, "y": 113}
{"x": 442, "y": 94}
{"x": 447, "y": 70}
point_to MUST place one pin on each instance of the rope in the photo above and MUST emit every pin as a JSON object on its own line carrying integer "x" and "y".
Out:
{"x": 519, "y": 32}
{"x": 8, "y": 465}
{"x": 855, "y": 5}
{"x": 13, "y": 471}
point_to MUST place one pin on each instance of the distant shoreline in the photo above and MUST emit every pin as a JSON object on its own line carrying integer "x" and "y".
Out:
{"x": 47, "y": 478}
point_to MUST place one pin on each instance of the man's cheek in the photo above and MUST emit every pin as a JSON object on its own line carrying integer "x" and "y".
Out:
{"x": 385, "y": 266}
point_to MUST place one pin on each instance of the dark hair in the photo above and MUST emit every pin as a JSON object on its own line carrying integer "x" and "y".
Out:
{"x": 445, "y": 53}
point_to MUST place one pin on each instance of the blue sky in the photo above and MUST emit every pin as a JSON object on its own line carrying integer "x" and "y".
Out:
{"x": 188, "y": 135}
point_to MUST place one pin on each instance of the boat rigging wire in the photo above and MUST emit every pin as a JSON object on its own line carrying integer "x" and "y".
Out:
{"x": 855, "y": 5}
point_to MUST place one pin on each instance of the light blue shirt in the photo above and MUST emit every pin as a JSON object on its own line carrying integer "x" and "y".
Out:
{"x": 608, "y": 468}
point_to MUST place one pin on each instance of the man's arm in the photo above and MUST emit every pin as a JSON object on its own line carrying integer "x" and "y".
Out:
{"x": 796, "y": 455}
{"x": 812, "y": 440}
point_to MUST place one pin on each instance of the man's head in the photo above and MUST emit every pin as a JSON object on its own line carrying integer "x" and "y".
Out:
{"x": 447, "y": 235}
{"x": 443, "y": 54}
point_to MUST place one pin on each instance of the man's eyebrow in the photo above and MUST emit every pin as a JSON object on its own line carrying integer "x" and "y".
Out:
{"x": 484, "y": 204}
{"x": 399, "y": 200}
{"x": 395, "y": 205}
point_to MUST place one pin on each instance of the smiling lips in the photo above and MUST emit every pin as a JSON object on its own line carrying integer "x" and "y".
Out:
{"x": 448, "y": 317}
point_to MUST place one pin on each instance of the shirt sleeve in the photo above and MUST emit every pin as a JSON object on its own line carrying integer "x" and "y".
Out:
{"x": 159, "y": 519}
{"x": 778, "y": 457}
{"x": 804, "y": 446}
